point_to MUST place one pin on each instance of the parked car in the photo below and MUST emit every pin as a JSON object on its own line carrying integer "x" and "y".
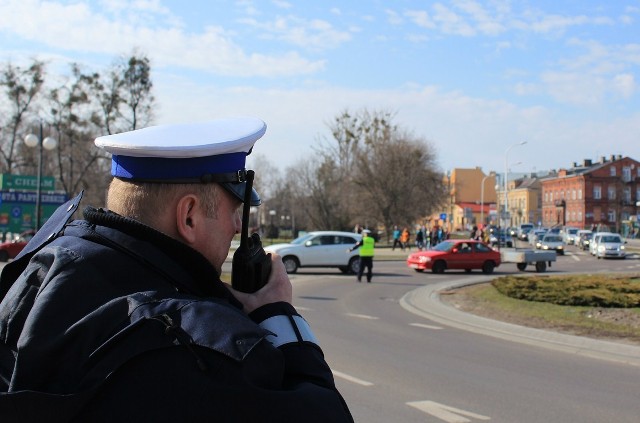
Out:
{"x": 454, "y": 254}
{"x": 11, "y": 248}
{"x": 320, "y": 249}
{"x": 552, "y": 241}
{"x": 585, "y": 239}
{"x": 609, "y": 245}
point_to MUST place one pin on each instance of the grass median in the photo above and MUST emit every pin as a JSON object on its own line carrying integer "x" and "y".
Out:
{"x": 604, "y": 307}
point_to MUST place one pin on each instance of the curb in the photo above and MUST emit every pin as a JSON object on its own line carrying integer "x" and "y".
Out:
{"x": 425, "y": 302}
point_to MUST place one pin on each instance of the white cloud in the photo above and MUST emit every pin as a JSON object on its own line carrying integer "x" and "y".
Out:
{"x": 451, "y": 22}
{"x": 76, "y": 27}
{"x": 625, "y": 85}
{"x": 393, "y": 17}
{"x": 421, "y": 18}
{"x": 314, "y": 34}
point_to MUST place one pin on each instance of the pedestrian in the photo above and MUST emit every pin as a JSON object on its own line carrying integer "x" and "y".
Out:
{"x": 420, "y": 238}
{"x": 122, "y": 316}
{"x": 367, "y": 250}
{"x": 405, "y": 238}
{"x": 396, "y": 238}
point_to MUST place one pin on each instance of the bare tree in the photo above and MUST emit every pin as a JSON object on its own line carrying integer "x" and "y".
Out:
{"x": 138, "y": 99}
{"x": 21, "y": 87}
{"x": 397, "y": 181}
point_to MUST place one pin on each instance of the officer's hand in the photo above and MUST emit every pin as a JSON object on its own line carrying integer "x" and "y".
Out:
{"x": 278, "y": 288}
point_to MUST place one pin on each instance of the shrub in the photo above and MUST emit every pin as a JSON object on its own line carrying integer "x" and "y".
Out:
{"x": 620, "y": 291}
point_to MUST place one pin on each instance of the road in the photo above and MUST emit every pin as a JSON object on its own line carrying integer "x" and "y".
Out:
{"x": 392, "y": 365}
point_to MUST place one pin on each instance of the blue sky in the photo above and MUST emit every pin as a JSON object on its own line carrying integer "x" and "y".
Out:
{"x": 471, "y": 77}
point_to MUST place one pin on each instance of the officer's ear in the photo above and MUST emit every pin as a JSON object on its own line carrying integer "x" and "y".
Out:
{"x": 187, "y": 217}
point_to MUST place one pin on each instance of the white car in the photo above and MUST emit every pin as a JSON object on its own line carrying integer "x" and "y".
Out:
{"x": 320, "y": 249}
{"x": 535, "y": 236}
{"x": 608, "y": 245}
{"x": 570, "y": 235}
{"x": 552, "y": 242}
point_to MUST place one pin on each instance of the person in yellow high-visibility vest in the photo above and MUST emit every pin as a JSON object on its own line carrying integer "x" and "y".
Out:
{"x": 367, "y": 247}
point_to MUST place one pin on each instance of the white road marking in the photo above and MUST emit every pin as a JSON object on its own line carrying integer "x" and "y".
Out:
{"x": 422, "y": 325}
{"x": 351, "y": 378}
{"x": 446, "y": 413}
{"x": 362, "y": 316}
{"x": 575, "y": 257}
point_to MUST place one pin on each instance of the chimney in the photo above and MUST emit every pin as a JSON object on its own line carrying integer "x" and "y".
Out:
{"x": 587, "y": 162}
{"x": 613, "y": 157}
{"x": 603, "y": 159}
{"x": 575, "y": 164}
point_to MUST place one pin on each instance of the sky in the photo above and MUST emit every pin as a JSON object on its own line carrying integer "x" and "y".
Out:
{"x": 474, "y": 79}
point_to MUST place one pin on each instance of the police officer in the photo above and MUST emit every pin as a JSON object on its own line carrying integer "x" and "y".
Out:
{"x": 122, "y": 316}
{"x": 367, "y": 246}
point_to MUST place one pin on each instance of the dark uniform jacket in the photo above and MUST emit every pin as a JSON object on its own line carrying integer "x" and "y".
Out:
{"x": 114, "y": 321}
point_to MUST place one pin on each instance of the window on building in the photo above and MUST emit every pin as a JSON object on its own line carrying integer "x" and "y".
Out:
{"x": 611, "y": 215}
{"x": 580, "y": 194}
{"x": 573, "y": 194}
{"x": 612, "y": 171}
{"x": 638, "y": 194}
{"x": 627, "y": 195}
{"x": 611, "y": 193}
{"x": 626, "y": 174}
{"x": 597, "y": 192}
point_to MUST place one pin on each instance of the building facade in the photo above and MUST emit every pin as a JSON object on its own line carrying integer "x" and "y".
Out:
{"x": 601, "y": 194}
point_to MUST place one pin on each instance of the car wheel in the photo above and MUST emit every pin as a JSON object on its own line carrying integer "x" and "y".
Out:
{"x": 439, "y": 267}
{"x": 354, "y": 265}
{"x": 487, "y": 267}
{"x": 290, "y": 264}
{"x": 521, "y": 266}
{"x": 419, "y": 270}
{"x": 541, "y": 266}
{"x": 4, "y": 256}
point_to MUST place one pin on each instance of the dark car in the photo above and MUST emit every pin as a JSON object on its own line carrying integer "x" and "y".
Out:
{"x": 11, "y": 248}
{"x": 455, "y": 254}
{"x": 585, "y": 240}
{"x": 500, "y": 238}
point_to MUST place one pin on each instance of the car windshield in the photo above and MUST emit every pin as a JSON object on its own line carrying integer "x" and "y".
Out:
{"x": 302, "y": 239}
{"x": 552, "y": 238}
{"x": 612, "y": 238}
{"x": 445, "y": 246}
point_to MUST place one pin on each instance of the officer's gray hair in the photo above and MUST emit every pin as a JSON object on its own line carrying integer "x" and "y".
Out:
{"x": 145, "y": 201}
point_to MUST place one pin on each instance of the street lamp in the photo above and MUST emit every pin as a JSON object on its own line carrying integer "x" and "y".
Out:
{"x": 32, "y": 140}
{"x": 482, "y": 197}
{"x": 271, "y": 231}
{"x": 506, "y": 170}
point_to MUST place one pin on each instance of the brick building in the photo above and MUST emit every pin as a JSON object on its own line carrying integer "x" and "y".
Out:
{"x": 604, "y": 193}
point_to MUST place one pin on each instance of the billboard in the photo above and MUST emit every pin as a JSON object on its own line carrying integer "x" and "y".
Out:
{"x": 18, "y": 201}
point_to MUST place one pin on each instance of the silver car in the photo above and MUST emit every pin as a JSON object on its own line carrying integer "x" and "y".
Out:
{"x": 320, "y": 249}
{"x": 552, "y": 242}
{"x": 608, "y": 245}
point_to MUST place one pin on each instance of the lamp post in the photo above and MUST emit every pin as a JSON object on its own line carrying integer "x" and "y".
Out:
{"x": 506, "y": 170}
{"x": 482, "y": 197}
{"x": 271, "y": 229}
{"x": 48, "y": 143}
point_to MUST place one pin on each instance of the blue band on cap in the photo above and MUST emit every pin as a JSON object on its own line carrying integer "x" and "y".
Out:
{"x": 161, "y": 168}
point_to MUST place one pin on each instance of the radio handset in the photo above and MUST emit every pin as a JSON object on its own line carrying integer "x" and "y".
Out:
{"x": 251, "y": 266}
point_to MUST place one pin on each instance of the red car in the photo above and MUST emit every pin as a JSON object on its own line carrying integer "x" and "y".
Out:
{"x": 11, "y": 248}
{"x": 453, "y": 254}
